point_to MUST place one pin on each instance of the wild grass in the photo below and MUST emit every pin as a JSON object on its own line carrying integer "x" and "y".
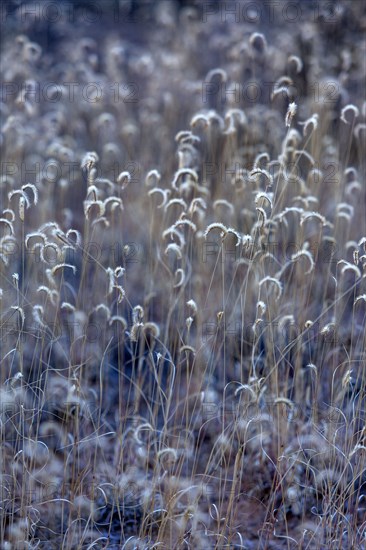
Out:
{"x": 183, "y": 283}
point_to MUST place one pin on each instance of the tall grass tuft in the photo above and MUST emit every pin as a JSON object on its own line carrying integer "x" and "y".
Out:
{"x": 183, "y": 277}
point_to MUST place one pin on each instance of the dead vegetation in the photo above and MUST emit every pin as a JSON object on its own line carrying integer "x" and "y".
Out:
{"x": 183, "y": 280}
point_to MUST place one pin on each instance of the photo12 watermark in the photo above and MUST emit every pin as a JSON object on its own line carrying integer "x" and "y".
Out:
{"x": 269, "y": 12}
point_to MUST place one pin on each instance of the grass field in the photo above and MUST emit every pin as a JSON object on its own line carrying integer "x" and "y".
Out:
{"x": 182, "y": 275}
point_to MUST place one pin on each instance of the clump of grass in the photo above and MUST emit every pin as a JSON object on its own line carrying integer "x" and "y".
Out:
{"x": 182, "y": 292}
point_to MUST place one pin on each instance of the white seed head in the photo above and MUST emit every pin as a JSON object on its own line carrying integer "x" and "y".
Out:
{"x": 291, "y": 111}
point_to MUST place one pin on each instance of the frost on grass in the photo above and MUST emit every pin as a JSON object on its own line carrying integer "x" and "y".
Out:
{"x": 182, "y": 280}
